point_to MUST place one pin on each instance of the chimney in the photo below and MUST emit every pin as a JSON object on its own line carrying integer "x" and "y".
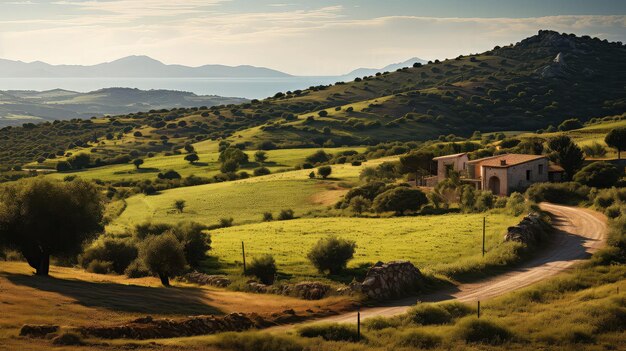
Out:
{"x": 502, "y": 162}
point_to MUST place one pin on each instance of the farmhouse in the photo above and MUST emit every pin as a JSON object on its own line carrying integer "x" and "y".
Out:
{"x": 502, "y": 174}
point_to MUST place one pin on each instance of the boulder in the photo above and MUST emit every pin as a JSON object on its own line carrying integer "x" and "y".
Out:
{"x": 219, "y": 281}
{"x": 38, "y": 331}
{"x": 388, "y": 280}
{"x": 529, "y": 231}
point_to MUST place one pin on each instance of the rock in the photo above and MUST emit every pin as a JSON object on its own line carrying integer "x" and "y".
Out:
{"x": 529, "y": 231}
{"x": 388, "y": 280}
{"x": 68, "y": 339}
{"x": 219, "y": 281}
{"x": 38, "y": 331}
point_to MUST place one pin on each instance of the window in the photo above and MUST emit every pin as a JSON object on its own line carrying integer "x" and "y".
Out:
{"x": 540, "y": 169}
{"x": 529, "y": 174}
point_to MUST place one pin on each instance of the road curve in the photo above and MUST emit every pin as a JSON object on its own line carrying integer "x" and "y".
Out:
{"x": 579, "y": 233}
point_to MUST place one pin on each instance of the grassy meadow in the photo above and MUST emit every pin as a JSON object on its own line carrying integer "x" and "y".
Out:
{"x": 426, "y": 241}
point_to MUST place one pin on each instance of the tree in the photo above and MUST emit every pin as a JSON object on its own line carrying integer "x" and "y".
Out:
{"x": 79, "y": 161}
{"x": 331, "y": 254}
{"x": 163, "y": 255}
{"x": 40, "y": 218}
{"x": 260, "y": 156}
{"x": 567, "y": 154}
{"x": 229, "y": 166}
{"x": 320, "y": 156}
{"x": 233, "y": 153}
{"x": 598, "y": 174}
{"x": 138, "y": 162}
{"x": 63, "y": 166}
{"x": 360, "y": 204}
{"x": 616, "y": 138}
{"x": 180, "y": 205}
{"x": 192, "y": 158}
{"x": 189, "y": 148}
{"x": 261, "y": 171}
{"x": 418, "y": 163}
{"x": 399, "y": 200}
{"x": 324, "y": 171}
{"x": 570, "y": 124}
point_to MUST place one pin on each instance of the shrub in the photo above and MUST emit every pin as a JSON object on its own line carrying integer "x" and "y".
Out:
{"x": 474, "y": 330}
{"x": 516, "y": 205}
{"x": 457, "y": 309}
{"x": 320, "y": 156}
{"x": 68, "y": 339}
{"x": 598, "y": 174}
{"x": 330, "y": 332}
{"x": 561, "y": 193}
{"x": 417, "y": 339}
{"x": 428, "y": 314}
{"x": 399, "y": 200}
{"x": 255, "y": 341}
{"x": 324, "y": 171}
{"x": 194, "y": 240}
{"x": 331, "y": 254}
{"x": 595, "y": 149}
{"x": 261, "y": 171}
{"x": 267, "y": 217}
{"x": 180, "y": 205}
{"x": 360, "y": 204}
{"x": 230, "y": 166}
{"x": 285, "y": 215}
{"x": 170, "y": 174}
{"x": 570, "y": 124}
{"x": 118, "y": 253}
{"x": 379, "y": 323}
{"x": 226, "y": 222}
{"x": 163, "y": 255}
{"x": 264, "y": 268}
{"x": 136, "y": 269}
{"x": 100, "y": 267}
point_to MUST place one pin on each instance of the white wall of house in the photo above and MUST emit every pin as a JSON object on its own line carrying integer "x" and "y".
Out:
{"x": 500, "y": 173}
{"x": 458, "y": 163}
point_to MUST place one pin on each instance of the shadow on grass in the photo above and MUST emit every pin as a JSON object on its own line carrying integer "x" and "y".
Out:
{"x": 123, "y": 298}
{"x": 147, "y": 170}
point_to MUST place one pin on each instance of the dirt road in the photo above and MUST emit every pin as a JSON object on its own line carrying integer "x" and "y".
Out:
{"x": 580, "y": 232}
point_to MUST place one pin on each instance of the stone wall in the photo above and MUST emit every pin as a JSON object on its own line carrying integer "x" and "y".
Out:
{"x": 531, "y": 230}
{"x": 388, "y": 280}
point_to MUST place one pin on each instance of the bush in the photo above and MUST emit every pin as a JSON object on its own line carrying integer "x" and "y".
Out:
{"x": 380, "y": 323}
{"x": 417, "y": 339}
{"x": 118, "y": 253}
{"x": 319, "y": 156}
{"x": 598, "y": 174}
{"x": 226, "y": 222}
{"x": 68, "y": 339}
{"x": 195, "y": 241}
{"x": 264, "y": 268}
{"x": 474, "y": 330}
{"x": 360, "y": 204}
{"x": 261, "y": 171}
{"x": 516, "y": 205}
{"x": 330, "y": 332}
{"x": 400, "y": 200}
{"x": 255, "y": 341}
{"x": 331, "y": 254}
{"x": 100, "y": 267}
{"x": 324, "y": 171}
{"x": 267, "y": 217}
{"x": 136, "y": 269}
{"x": 570, "y": 193}
{"x": 285, "y": 215}
{"x": 570, "y": 124}
{"x": 428, "y": 314}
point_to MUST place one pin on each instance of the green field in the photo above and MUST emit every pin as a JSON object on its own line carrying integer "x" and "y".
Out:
{"x": 244, "y": 200}
{"x": 426, "y": 241}
{"x": 208, "y": 165}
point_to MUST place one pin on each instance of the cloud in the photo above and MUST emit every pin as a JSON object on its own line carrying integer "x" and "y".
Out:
{"x": 323, "y": 40}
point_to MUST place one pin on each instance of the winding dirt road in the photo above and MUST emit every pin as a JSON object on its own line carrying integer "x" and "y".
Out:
{"x": 580, "y": 232}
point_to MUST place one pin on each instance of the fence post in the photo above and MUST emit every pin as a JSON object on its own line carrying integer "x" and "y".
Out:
{"x": 478, "y": 309}
{"x": 243, "y": 253}
{"x": 484, "y": 223}
{"x": 358, "y": 323}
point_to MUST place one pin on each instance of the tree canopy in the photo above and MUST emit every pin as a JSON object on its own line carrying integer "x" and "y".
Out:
{"x": 616, "y": 138}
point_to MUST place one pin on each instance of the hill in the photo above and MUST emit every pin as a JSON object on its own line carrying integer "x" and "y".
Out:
{"x": 360, "y": 72}
{"x": 127, "y": 67}
{"x": 540, "y": 81}
{"x": 18, "y": 106}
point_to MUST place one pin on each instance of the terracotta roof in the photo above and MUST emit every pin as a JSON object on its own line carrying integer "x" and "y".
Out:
{"x": 450, "y": 156}
{"x": 510, "y": 160}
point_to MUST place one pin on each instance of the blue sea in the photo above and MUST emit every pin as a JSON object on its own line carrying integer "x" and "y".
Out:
{"x": 251, "y": 88}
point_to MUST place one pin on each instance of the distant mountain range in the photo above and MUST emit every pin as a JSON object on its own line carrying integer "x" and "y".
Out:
{"x": 146, "y": 67}
{"x": 17, "y": 107}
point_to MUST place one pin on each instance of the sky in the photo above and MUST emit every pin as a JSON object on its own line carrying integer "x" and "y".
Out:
{"x": 314, "y": 37}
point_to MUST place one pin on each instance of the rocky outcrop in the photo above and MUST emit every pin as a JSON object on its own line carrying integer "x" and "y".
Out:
{"x": 529, "y": 231}
{"x": 302, "y": 290}
{"x": 389, "y": 280}
{"x": 38, "y": 331}
{"x": 219, "y": 281}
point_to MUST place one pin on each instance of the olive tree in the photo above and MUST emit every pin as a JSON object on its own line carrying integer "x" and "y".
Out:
{"x": 41, "y": 217}
{"x": 331, "y": 254}
{"x": 163, "y": 255}
{"x": 616, "y": 138}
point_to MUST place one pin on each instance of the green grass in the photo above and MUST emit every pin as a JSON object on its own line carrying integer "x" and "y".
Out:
{"x": 245, "y": 200}
{"x": 207, "y": 166}
{"x": 427, "y": 241}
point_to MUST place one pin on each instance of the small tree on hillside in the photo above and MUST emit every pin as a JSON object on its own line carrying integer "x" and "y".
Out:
{"x": 324, "y": 171}
{"x": 616, "y": 138}
{"x": 189, "y": 148}
{"x": 192, "y": 158}
{"x": 41, "y": 218}
{"x": 138, "y": 162}
{"x": 567, "y": 154}
{"x": 260, "y": 156}
{"x": 163, "y": 255}
{"x": 400, "y": 200}
{"x": 360, "y": 204}
{"x": 229, "y": 166}
{"x": 418, "y": 163}
{"x": 331, "y": 254}
{"x": 180, "y": 205}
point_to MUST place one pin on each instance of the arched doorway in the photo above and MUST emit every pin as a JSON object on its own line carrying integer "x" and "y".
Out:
{"x": 494, "y": 185}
